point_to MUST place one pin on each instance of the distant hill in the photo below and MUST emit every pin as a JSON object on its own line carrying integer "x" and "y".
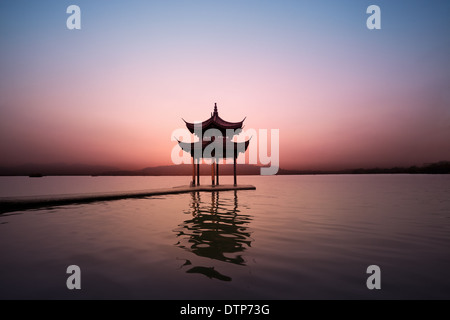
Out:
{"x": 54, "y": 169}
{"x": 59, "y": 169}
{"x": 442, "y": 167}
{"x": 62, "y": 169}
{"x": 186, "y": 170}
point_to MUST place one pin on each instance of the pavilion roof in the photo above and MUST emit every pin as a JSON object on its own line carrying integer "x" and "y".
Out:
{"x": 214, "y": 122}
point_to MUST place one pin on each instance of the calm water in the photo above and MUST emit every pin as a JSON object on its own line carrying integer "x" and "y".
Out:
{"x": 295, "y": 237}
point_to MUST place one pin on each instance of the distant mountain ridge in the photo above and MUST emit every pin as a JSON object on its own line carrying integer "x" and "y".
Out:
{"x": 59, "y": 169}
{"x": 54, "y": 169}
{"x": 186, "y": 170}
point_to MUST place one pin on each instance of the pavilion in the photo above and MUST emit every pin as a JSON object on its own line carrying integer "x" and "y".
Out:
{"x": 213, "y": 144}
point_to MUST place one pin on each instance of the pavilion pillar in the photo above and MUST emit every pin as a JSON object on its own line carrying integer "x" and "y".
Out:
{"x": 217, "y": 173}
{"x": 234, "y": 169}
{"x": 198, "y": 172}
{"x": 193, "y": 172}
{"x": 212, "y": 173}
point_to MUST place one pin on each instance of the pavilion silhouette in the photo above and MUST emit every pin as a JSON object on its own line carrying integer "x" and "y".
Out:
{"x": 215, "y": 143}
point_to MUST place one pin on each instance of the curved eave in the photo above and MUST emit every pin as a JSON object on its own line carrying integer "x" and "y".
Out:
{"x": 215, "y": 122}
{"x": 196, "y": 149}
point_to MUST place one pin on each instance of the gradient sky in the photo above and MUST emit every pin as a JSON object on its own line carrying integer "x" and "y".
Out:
{"x": 112, "y": 93}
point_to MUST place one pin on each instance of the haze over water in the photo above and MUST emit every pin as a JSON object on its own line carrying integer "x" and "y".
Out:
{"x": 293, "y": 237}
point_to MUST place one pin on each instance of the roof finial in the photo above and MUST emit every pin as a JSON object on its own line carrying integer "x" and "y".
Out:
{"x": 215, "y": 109}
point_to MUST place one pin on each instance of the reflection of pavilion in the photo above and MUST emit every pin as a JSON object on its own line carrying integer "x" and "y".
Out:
{"x": 216, "y": 231}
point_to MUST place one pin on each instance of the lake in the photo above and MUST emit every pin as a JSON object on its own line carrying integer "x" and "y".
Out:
{"x": 294, "y": 237}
